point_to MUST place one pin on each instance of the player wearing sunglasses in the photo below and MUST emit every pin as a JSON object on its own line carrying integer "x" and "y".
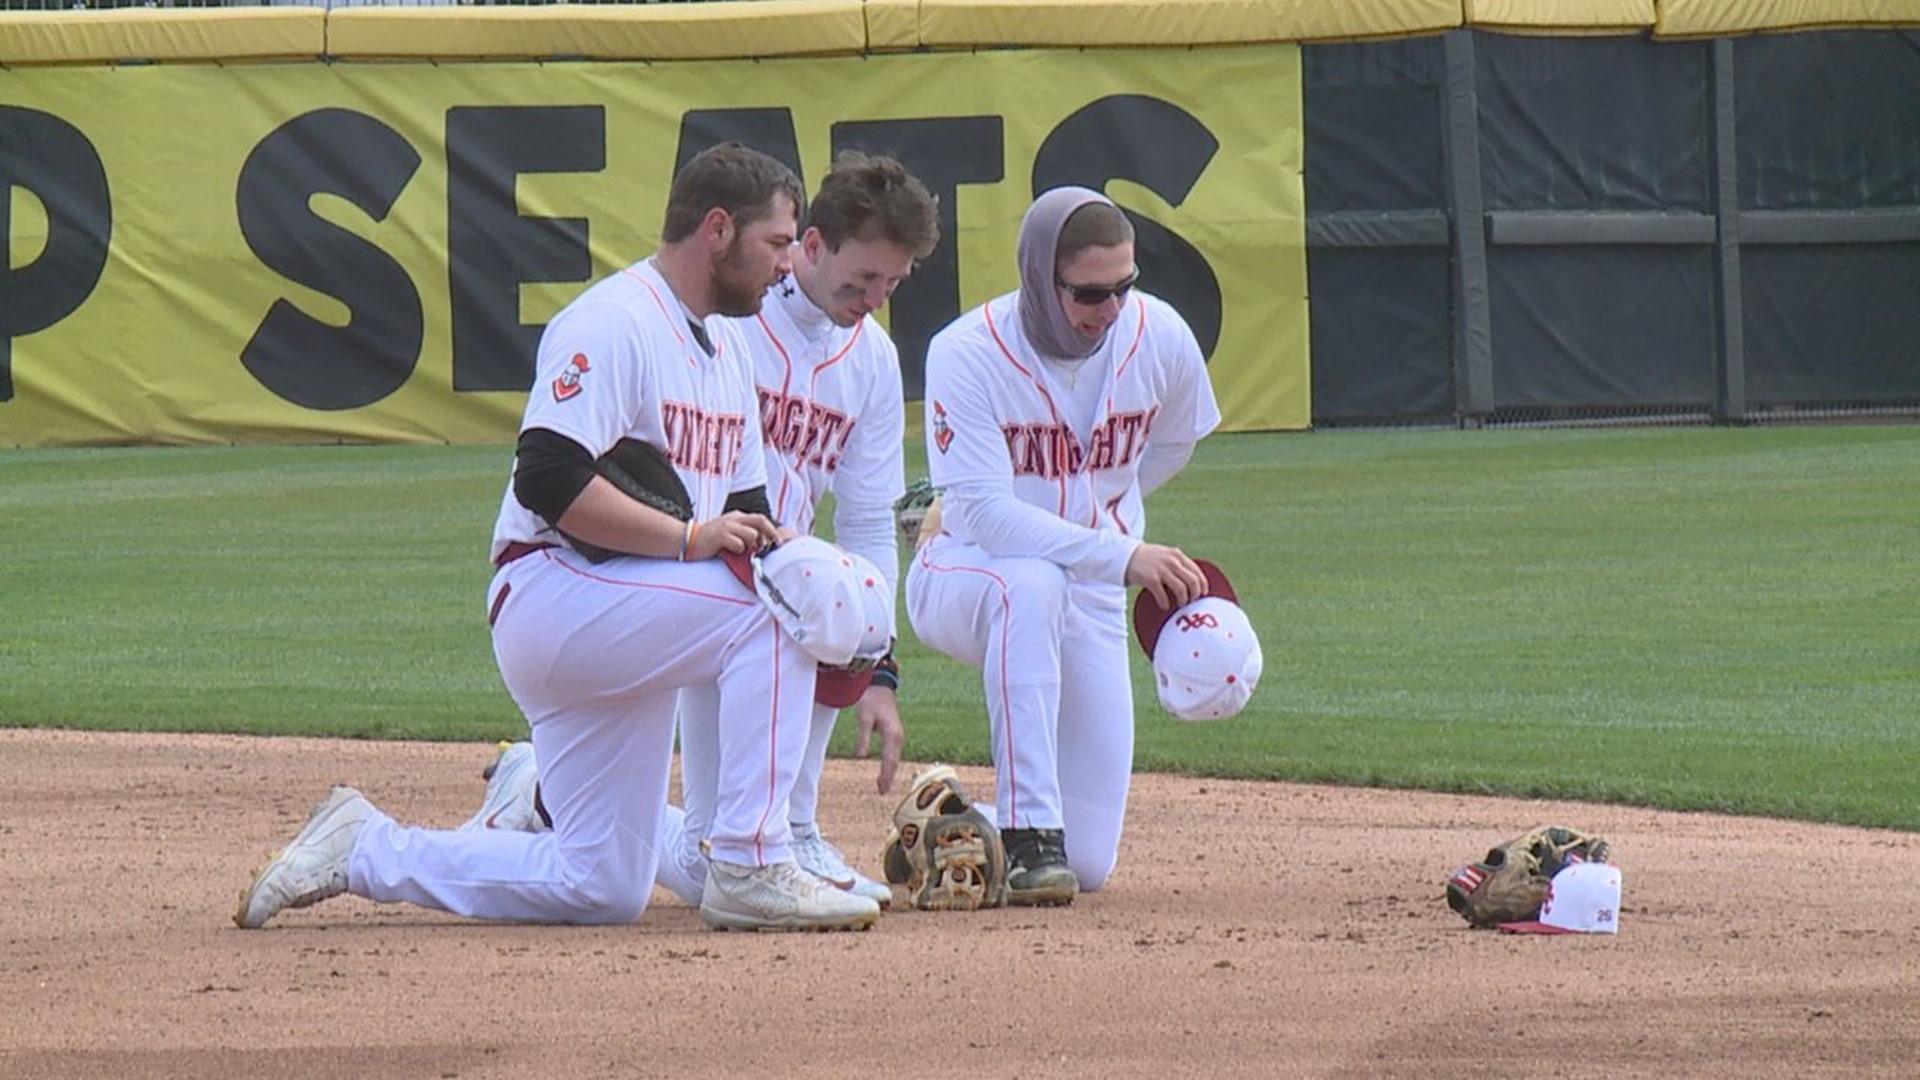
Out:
{"x": 1051, "y": 412}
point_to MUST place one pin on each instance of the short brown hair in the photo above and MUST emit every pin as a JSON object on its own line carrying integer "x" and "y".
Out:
{"x": 1097, "y": 224}
{"x": 868, "y": 196}
{"x": 735, "y": 178}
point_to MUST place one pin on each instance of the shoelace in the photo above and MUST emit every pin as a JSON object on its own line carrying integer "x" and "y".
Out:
{"x": 1034, "y": 848}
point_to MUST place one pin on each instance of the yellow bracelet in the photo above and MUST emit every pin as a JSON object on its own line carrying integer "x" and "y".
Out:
{"x": 686, "y": 538}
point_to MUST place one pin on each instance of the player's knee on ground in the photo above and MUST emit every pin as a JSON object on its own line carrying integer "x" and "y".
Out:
{"x": 1091, "y": 873}
{"x": 608, "y": 889}
{"x": 1093, "y": 837}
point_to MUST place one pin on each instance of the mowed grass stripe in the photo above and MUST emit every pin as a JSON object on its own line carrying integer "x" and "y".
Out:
{"x": 1695, "y": 618}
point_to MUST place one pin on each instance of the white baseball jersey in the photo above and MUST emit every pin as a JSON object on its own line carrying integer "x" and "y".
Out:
{"x": 1003, "y": 420}
{"x": 651, "y": 381}
{"x": 832, "y": 420}
{"x": 1044, "y": 465}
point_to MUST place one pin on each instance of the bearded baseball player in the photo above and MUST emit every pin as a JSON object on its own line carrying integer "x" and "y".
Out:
{"x": 832, "y": 420}
{"x": 594, "y": 649}
{"x": 1051, "y": 412}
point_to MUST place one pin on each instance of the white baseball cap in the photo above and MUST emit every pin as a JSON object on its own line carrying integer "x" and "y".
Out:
{"x": 1206, "y": 656}
{"x": 1583, "y": 898}
{"x": 833, "y": 603}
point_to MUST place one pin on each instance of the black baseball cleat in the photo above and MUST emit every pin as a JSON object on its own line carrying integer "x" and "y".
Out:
{"x": 1037, "y": 871}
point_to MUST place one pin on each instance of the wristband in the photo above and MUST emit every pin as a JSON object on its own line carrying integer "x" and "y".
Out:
{"x": 886, "y": 672}
{"x": 686, "y": 538}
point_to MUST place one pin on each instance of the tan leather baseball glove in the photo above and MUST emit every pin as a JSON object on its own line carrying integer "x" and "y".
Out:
{"x": 1510, "y": 883}
{"x": 942, "y": 849}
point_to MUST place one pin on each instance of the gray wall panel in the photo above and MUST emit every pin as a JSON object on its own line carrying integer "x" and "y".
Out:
{"x": 1373, "y": 125}
{"x": 1832, "y": 325}
{"x": 1725, "y": 230}
{"x": 1829, "y": 121}
{"x": 1592, "y": 123}
{"x": 1380, "y": 334}
{"x": 1588, "y": 328}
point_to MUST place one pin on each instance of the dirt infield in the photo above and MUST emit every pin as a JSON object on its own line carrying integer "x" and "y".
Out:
{"x": 1252, "y": 930}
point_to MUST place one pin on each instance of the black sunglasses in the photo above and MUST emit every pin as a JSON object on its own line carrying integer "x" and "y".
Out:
{"x": 1095, "y": 295}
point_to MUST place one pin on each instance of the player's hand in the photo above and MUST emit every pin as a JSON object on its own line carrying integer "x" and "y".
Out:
{"x": 1167, "y": 573}
{"x": 735, "y": 530}
{"x": 878, "y": 710}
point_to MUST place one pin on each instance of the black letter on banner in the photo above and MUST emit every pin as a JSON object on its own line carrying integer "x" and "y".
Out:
{"x": 769, "y": 131}
{"x": 300, "y": 358}
{"x": 1163, "y": 148}
{"x": 53, "y": 159}
{"x": 944, "y": 153}
{"x": 491, "y": 248}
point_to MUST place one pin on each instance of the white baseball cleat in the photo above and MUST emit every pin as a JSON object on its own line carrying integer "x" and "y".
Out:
{"x": 820, "y": 858}
{"x": 779, "y": 896}
{"x": 313, "y": 865}
{"x": 512, "y": 781}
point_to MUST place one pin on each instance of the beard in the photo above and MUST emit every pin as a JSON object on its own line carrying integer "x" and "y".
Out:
{"x": 736, "y": 293}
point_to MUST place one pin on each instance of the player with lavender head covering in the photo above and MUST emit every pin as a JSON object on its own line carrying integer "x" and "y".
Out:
{"x": 1051, "y": 412}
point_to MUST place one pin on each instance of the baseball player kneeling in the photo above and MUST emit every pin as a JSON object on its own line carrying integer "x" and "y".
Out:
{"x": 1051, "y": 413}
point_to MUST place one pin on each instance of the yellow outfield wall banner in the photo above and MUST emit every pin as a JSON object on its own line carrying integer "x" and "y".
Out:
{"x": 310, "y": 252}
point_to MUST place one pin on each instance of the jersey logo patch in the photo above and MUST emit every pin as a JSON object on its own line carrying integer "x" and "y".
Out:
{"x": 568, "y": 383}
{"x": 942, "y": 434}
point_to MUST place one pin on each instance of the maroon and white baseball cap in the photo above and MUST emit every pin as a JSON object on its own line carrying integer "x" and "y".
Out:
{"x": 833, "y": 603}
{"x": 1583, "y": 898}
{"x": 1206, "y": 656}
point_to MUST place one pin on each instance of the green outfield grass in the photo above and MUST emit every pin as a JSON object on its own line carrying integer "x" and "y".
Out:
{"x": 1692, "y": 618}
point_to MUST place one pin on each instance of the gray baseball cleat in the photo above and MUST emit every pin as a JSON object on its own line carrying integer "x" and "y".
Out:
{"x": 779, "y": 896}
{"x": 313, "y": 865}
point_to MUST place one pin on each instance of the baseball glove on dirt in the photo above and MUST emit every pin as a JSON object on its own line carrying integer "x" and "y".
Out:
{"x": 644, "y": 475}
{"x": 913, "y": 510}
{"x": 1510, "y": 883}
{"x": 943, "y": 849}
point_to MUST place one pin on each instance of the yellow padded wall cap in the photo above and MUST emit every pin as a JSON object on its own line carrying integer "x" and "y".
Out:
{"x": 161, "y": 35}
{"x": 737, "y": 29}
{"x": 892, "y": 24}
{"x": 1561, "y": 16}
{"x": 1077, "y": 23}
{"x": 1719, "y": 18}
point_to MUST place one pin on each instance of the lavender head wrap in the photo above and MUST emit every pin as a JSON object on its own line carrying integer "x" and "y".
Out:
{"x": 1041, "y": 313}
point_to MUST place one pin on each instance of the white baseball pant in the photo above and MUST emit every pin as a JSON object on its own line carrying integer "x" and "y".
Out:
{"x": 594, "y": 656}
{"x": 1053, "y": 657}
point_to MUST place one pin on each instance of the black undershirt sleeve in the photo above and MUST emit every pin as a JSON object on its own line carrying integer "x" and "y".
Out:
{"x": 551, "y": 471}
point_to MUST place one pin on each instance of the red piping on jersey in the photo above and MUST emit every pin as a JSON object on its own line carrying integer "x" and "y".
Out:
{"x": 786, "y": 380}
{"x": 1006, "y": 696}
{"x": 1139, "y": 335}
{"x": 672, "y": 323}
{"x": 987, "y": 310}
{"x": 687, "y": 351}
{"x": 786, "y": 384}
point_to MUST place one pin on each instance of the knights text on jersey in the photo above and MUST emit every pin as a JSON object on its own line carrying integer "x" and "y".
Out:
{"x": 996, "y": 411}
{"x": 621, "y": 362}
{"x": 831, "y": 412}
